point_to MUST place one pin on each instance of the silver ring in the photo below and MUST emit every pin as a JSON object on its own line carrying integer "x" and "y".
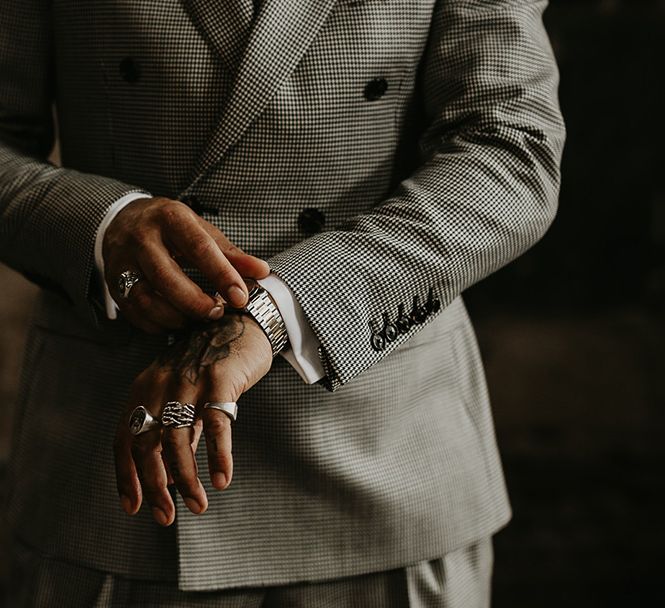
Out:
{"x": 178, "y": 415}
{"x": 141, "y": 421}
{"x": 230, "y": 408}
{"x": 126, "y": 281}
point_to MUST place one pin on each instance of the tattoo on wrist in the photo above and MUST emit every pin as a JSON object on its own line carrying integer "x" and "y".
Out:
{"x": 203, "y": 347}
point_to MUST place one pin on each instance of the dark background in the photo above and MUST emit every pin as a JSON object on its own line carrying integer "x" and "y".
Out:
{"x": 573, "y": 334}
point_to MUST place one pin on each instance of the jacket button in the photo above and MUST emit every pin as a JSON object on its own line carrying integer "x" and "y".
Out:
{"x": 130, "y": 70}
{"x": 378, "y": 342}
{"x": 418, "y": 312}
{"x": 390, "y": 331}
{"x": 311, "y": 220}
{"x": 403, "y": 321}
{"x": 433, "y": 305}
{"x": 192, "y": 202}
{"x": 376, "y": 89}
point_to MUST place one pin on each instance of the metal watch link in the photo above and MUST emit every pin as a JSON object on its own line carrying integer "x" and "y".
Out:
{"x": 263, "y": 310}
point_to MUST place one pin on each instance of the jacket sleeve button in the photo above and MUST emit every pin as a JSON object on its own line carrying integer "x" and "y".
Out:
{"x": 378, "y": 342}
{"x": 403, "y": 321}
{"x": 192, "y": 202}
{"x": 389, "y": 329}
{"x": 433, "y": 305}
{"x": 311, "y": 220}
{"x": 418, "y": 312}
{"x": 376, "y": 89}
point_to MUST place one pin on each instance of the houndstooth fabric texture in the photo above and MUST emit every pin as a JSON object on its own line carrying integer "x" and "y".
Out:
{"x": 461, "y": 579}
{"x": 426, "y": 138}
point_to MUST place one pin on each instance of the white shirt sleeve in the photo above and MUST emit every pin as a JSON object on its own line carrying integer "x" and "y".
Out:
{"x": 109, "y": 304}
{"x": 304, "y": 352}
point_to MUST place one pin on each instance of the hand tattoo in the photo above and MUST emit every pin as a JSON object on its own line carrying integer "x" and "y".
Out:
{"x": 202, "y": 347}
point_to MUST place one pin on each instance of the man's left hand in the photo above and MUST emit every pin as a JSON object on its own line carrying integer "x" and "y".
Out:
{"x": 216, "y": 362}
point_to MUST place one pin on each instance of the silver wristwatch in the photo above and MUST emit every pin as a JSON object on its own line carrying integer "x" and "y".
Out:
{"x": 267, "y": 315}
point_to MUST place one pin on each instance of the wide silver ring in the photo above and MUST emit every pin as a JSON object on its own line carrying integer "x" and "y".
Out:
{"x": 178, "y": 415}
{"x": 126, "y": 282}
{"x": 141, "y": 421}
{"x": 230, "y": 408}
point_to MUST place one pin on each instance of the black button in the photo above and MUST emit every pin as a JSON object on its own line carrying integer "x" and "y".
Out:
{"x": 418, "y": 313}
{"x": 378, "y": 342}
{"x": 403, "y": 322}
{"x": 311, "y": 220}
{"x": 192, "y": 202}
{"x": 195, "y": 204}
{"x": 376, "y": 89}
{"x": 390, "y": 332}
{"x": 433, "y": 305}
{"x": 130, "y": 70}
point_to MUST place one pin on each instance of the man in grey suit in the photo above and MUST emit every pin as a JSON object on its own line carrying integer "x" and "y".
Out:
{"x": 381, "y": 156}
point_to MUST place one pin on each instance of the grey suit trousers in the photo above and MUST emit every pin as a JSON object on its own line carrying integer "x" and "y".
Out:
{"x": 460, "y": 579}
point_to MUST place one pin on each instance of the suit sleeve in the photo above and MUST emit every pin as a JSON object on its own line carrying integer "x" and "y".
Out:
{"x": 485, "y": 191}
{"x": 48, "y": 215}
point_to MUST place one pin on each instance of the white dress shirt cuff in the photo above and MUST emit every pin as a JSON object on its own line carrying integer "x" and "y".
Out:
{"x": 109, "y": 304}
{"x": 304, "y": 352}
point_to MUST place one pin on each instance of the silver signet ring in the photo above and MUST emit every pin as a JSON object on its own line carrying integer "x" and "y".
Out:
{"x": 141, "y": 421}
{"x": 230, "y": 408}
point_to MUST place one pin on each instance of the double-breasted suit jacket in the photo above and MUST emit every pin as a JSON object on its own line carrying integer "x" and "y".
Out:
{"x": 383, "y": 155}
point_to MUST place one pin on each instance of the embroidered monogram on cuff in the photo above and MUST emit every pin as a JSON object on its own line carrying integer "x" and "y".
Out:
{"x": 387, "y": 331}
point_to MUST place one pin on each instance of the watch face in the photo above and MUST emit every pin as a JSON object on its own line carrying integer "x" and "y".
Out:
{"x": 137, "y": 419}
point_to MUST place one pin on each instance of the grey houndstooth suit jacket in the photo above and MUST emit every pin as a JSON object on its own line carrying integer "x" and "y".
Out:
{"x": 423, "y": 140}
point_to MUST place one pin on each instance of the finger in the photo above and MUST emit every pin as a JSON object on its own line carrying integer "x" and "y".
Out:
{"x": 197, "y": 246}
{"x": 169, "y": 477}
{"x": 150, "y": 307}
{"x": 217, "y": 430}
{"x": 146, "y": 452}
{"x": 168, "y": 279}
{"x": 195, "y": 444}
{"x": 178, "y": 453}
{"x": 126, "y": 476}
{"x": 247, "y": 265}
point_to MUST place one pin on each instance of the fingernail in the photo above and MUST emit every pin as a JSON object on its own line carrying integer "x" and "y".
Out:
{"x": 192, "y": 505}
{"x": 126, "y": 503}
{"x": 216, "y": 313}
{"x": 237, "y": 296}
{"x": 160, "y": 516}
{"x": 219, "y": 480}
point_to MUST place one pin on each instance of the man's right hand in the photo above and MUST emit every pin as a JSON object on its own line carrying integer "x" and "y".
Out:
{"x": 148, "y": 237}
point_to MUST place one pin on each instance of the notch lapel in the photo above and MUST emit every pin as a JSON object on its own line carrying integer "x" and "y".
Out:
{"x": 225, "y": 24}
{"x": 283, "y": 31}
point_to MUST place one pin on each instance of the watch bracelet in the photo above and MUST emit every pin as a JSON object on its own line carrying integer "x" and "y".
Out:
{"x": 264, "y": 311}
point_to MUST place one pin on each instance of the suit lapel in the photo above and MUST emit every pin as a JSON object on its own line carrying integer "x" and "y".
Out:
{"x": 283, "y": 31}
{"x": 225, "y": 24}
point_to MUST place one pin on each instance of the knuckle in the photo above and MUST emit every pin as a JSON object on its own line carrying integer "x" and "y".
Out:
{"x": 215, "y": 425}
{"x": 139, "y": 235}
{"x": 141, "y": 300}
{"x": 203, "y": 248}
{"x": 187, "y": 484}
{"x": 227, "y": 275}
{"x": 162, "y": 275}
{"x": 175, "y": 215}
